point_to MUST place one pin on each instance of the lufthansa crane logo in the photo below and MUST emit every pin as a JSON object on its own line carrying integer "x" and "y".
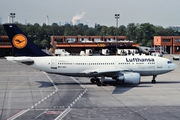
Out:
{"x": 19, "y": 41}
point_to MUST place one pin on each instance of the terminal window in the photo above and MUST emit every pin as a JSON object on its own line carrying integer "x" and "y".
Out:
{"x": 177, "y": 49}
{"x": 177, "y": 40}
{"x": 166, "y": 40}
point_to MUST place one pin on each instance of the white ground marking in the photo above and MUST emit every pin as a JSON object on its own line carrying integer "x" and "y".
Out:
{"x": 12, "y": 90}
{"x": 39, "y": 102}
{"x": 18, "y": 114}
{"x": 41, "y": 114}
{"x": 67, "y": 110}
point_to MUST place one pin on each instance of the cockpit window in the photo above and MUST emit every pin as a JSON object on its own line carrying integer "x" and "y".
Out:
{"x": 169, "y": 62}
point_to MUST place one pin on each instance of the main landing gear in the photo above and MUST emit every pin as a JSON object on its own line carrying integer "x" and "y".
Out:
{"x": 98, "y": 82}
{"x": 153, "y": 80}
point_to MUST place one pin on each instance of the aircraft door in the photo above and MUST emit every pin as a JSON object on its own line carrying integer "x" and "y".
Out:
{"x": 53, "y": 64}
{"x": 158, "y": 64}
{"x": 116, "y": 65}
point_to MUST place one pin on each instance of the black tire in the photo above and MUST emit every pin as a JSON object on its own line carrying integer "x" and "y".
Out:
{"x": 154, "y": 81}
{"x": 104, "y": 84}
{"x": 99, "y": 83}
{"x": 93, "y": 80}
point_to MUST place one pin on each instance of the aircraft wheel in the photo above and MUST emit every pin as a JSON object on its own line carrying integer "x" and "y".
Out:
{"x": 99, "y": 83}
{"x": 153, "y": 81}
{"x": 104, "y": 84}
{"x": 93, "y": 80}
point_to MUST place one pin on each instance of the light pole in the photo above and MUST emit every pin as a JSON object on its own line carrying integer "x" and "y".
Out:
{"x": 117, "y": 17}
{"x": 12, "y": 15}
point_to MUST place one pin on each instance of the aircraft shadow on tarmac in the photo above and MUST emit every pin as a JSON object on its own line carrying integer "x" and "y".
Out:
{"x": 119, "y": 86}
{"x": 162, "y": 82}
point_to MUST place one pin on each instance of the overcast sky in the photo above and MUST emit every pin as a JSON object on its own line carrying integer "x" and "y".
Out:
{"x": 158, "y": 12}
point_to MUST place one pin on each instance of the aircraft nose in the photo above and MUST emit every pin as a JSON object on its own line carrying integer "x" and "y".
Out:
{"x": 174, "y": 66}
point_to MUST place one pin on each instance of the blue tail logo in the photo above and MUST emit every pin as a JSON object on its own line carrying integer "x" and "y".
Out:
{"x": 22, "y": 45}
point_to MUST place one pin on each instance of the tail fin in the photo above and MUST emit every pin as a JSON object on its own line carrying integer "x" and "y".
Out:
{"x": 22, "y": 45}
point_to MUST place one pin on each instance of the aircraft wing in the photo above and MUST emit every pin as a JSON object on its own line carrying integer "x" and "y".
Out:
{"x": 104, "y": 72}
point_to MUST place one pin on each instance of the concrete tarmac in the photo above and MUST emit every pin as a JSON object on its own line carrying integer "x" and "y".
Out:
{"x": 29, "y": 94}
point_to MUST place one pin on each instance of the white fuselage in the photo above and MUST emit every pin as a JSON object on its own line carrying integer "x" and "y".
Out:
{"x": 82, "y": 65}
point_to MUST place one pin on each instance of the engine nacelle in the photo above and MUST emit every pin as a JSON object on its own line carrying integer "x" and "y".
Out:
{"x": 132, "y": 78}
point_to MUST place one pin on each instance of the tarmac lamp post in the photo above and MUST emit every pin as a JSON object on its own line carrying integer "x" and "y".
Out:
{"x": 12, "y": 15}
{"x": 117, "y": 17}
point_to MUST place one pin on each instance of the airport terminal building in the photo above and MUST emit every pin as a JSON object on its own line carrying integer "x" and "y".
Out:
{"x": 77, "y": 43}
{"x": 5, "y": 46}
{"x": 170, "y": 44}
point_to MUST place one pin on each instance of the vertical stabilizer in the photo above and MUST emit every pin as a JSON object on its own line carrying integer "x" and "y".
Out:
{"x": 22, "y": 45}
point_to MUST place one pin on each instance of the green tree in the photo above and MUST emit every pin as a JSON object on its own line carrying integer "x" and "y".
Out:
{"x": 147, "y": 32}
{"x": 2, "y": 31}
{"x": 131, "y": 34}
{"x": 111, "y": 31}
{"x": 90, "y": 32}
{"x": 159, "y": 31}
{"x": 122, "y": 30}
{"x": 44, "y": 43}
{"x": 37, "y": 43}
{"x": 139, "y": 34}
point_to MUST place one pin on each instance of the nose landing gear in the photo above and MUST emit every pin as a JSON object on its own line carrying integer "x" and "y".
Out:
{"x": 153, "y": 80}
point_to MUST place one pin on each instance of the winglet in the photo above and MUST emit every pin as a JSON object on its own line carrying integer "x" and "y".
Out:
{"x": 22, "y": 45}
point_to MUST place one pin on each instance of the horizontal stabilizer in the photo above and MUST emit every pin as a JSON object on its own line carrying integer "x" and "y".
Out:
{"x": 23, "y": 60}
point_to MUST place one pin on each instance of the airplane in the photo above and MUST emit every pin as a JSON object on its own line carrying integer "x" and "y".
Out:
{"x": 127, "y": 69}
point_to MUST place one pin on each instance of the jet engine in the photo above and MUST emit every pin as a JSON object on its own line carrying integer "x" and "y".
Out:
{"x": 130, "y": 77}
